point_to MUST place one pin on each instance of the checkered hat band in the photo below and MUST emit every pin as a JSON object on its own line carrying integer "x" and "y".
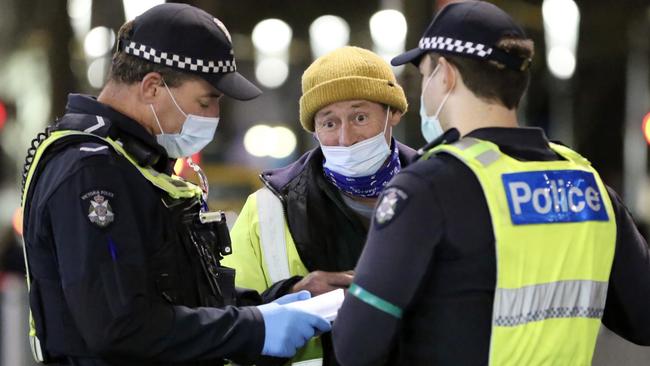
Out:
{"x": 180, "y": 62}
{"x": 455, "y": 45}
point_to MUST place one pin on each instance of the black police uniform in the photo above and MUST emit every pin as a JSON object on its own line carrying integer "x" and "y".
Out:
{"x": 123, "y": 290}
{"x": 435, "y": 259}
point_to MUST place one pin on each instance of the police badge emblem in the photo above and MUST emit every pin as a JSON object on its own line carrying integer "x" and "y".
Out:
{"x": 388, "y": 206}
{"x": 100, "y": 211}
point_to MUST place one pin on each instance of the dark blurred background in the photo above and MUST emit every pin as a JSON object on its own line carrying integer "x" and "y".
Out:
{"x": 589, "y": 87}
{"x": 590, "y": 82}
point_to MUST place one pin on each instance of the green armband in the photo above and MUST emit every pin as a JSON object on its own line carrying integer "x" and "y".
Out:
{"x": 375, "y": 301}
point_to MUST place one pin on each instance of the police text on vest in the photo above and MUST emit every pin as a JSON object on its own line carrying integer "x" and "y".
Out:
{"x": 553, "y": 196}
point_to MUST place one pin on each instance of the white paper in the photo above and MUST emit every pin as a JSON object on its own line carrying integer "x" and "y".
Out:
{"x": 326, "y": 305}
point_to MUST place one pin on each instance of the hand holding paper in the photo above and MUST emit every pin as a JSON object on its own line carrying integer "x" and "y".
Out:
{"x": 326, "y": 305}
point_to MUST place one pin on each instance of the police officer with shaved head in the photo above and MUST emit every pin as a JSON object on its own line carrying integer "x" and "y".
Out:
{"x": 497, "y": 247}
{"x": 124, "y": 258}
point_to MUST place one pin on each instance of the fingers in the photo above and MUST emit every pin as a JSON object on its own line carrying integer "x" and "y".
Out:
{"x": 322, "y": 324}
{"x": 303, "y": 295}
{"x": 296, "y": 296}
{"x": 319, "y": 282}
{"x": 339, "y": 279}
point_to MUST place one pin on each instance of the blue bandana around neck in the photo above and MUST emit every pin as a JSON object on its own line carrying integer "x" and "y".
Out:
{"x": 370, "y": 185}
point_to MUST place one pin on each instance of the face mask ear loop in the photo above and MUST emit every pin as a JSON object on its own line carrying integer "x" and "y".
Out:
{"x": 156, "y": 117}
{"x": 386, "y": 122}
{"x": 426, "y": 85}
{"x": 172, "y": 96}
{"x": 444, "y": 100}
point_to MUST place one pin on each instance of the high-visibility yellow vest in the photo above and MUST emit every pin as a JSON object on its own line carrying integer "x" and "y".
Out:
{"x": 175, "y": 187}
{"x": 261, "y": 260}
{"x": 555, "y": 236}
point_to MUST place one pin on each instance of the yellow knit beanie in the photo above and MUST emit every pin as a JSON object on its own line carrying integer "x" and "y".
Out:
{"x": 348, "y": 73}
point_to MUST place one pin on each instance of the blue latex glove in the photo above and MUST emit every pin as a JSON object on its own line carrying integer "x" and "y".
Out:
{"x": 288, "y": 329}
{"x": 296, "y": 296}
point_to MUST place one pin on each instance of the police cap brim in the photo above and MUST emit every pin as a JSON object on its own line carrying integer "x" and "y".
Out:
{"x": 413, "y": 56}
{"x": 234, "y": 85}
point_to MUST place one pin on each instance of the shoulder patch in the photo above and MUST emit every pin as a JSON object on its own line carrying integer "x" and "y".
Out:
{"x": 392, "y": 200}
{"x": 93, "y": 148}
{"x": 97, "y": 203}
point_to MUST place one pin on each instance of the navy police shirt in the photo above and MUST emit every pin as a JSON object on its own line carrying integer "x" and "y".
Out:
{"x": 94, "y": 223}
{"x": 430, "y": 252}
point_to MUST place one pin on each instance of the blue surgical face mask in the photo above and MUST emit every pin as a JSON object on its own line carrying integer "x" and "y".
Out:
{"x": 196, "y": 133}
{"x": 361, "y": 159}
{"x": 430, "y": 125}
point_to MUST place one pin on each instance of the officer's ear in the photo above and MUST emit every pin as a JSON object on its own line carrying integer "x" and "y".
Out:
{"x": 449, "y": 73}
{"x": 151, "y": 87}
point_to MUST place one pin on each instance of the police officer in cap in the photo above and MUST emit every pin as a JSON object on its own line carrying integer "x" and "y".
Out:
{"x": 123, "y": 258}
{"x": 497, "y": 247}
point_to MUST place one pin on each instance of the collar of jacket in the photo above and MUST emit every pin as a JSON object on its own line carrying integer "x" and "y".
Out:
{"x": 136, "y": 139}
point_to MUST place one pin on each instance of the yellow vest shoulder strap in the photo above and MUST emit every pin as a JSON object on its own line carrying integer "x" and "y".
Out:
{"x": 175, "y": 187}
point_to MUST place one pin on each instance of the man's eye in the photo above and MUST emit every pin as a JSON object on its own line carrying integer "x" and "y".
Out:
{"x": 361, "y": 118}
{"x": 325, "y": 124}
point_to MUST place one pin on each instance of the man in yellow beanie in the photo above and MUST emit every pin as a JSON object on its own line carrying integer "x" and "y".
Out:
{"x": 306, "y": 229}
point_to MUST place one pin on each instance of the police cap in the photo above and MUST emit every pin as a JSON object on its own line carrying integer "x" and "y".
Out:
{"x": 469, "y": 29}
{"x": 190, "y": 40}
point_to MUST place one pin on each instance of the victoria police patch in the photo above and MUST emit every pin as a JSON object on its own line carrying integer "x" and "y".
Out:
{"x": 391, "y": 201}
{"x": 99, "y": 208}
{"x": 554, "y": 196}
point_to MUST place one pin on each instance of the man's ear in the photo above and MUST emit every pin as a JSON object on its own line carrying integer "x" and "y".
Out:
{"x": 150, "y": 87}
{"x": 450, "y": 73}
{"x": 395, "y": 117}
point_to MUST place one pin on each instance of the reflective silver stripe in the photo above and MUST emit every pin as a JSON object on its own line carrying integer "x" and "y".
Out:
{"x": 100, "y": 123}
{"x": 564, "y": 299}
{"x": 93, "y": 149}
{"x": 488, "y": 157}
{"x": 314, "y": 362}
{"x": 274, "y": 246}
{"x": 465, "y": 143}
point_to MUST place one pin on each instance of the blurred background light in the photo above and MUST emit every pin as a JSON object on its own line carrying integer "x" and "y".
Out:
{"x": 3, "y": 114}
{"x": 17, "y": 221}
{"x": 133, "y": 8}
{"x": 645, "y": 126}
{"x": 272, "y": 37}
{"x": 561, "y": 62}
{"x": 388, "y": 31}
{"x": 263, "y": 140}
{"x": 285, "y": 143}
{"x": 271, "y": 72}
{"x": 257, "y": 140}
{"x": 327, "y": 33}
{"x": 99, "y": 42}
{"x": 79, "y": 12}
{"x": 561, "y": 24}
{"x": 97, "y": 72}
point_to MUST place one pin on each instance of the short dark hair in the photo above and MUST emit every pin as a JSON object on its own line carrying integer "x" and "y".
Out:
{"x": 129, "y": 69}
{"x": 491, "y": 80}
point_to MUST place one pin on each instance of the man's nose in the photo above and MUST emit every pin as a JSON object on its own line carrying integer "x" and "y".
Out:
{"x": 347, "y": 136}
